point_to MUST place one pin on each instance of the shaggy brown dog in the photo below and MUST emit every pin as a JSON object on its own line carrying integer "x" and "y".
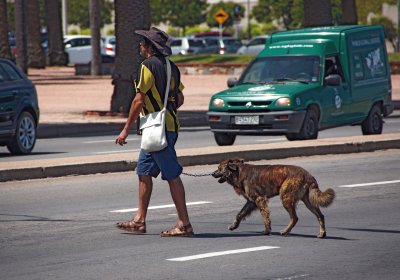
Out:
{"x": 258, "y": 183}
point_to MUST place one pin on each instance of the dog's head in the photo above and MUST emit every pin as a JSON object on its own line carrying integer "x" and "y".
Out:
{"x": 228, "y": 170}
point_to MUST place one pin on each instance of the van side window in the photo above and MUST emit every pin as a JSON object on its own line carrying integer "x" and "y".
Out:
{"x": 333, "y": 66}
{"x": 368, "y": 59}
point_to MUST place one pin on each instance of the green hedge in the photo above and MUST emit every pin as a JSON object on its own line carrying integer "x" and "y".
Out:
{"x": 233, "y": 58}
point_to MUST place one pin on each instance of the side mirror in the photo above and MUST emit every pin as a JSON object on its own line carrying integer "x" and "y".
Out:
{"x": 232, "y": 82}
{"x": 333, "y": 80}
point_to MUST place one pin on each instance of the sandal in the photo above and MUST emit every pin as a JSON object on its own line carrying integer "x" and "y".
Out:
{"x": 178, "y": 231}
{"x": 132, "y": 226}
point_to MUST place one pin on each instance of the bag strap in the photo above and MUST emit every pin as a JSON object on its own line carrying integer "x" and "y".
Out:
{"x": 168, "y": 81}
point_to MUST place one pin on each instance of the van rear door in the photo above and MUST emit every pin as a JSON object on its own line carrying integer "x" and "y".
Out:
{"x": 370, "y": 81}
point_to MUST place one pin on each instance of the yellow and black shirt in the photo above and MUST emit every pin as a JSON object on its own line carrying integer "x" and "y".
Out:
{"x": 152, "y": 82}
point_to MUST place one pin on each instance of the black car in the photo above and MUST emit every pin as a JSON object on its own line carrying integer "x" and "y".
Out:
{"x": 19, "y": 109}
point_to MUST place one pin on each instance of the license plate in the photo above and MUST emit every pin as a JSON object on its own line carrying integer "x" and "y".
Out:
{"x": 246, "y": 120}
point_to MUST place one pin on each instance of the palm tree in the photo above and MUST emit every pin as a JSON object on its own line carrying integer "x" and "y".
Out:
{"x": 56, "y": 54}
{"x": 95, "y": 41}
{"x": 317, "y": 13}
{"x": 349, "y": 12}
{"x": 36, "y": 57}
{"x": 20, "y": 34}
{"x": 5, "y": 51}
{"x": 130, "y": 15}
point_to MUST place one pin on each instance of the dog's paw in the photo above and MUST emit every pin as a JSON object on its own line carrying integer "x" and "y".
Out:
{"x": 284, "y": 233}
{"x": 233, "y": 226}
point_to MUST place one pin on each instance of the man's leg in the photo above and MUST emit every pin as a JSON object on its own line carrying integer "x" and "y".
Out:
{"x": 145, "y": 190}
{"x": 178, "y": 196}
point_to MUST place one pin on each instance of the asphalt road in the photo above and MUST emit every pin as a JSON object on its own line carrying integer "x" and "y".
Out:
{"x": 64, "y": 228}
{"x": 188, "y": 138}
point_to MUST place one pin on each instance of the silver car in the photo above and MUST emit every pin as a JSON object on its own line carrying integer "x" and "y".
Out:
{"x": 225, "y": 44}
{"x": 254, "y": 46}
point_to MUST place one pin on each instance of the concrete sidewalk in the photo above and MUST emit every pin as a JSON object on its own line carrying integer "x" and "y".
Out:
{"x": 65, "y": 98}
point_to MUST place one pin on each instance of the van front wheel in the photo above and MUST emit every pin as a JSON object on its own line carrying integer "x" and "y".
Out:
{"x": 224, "y": 139}
{"x": 373, "y": 124}
{"x": 309, "y": 129}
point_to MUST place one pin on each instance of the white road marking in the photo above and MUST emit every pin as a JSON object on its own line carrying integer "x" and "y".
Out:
{"x": 221, "y": 253}
{"x": 116, "y": 152}
{"x": 160, "y": 207}
{"x": 370, "y": 184}
{"x": 107, "y": 141}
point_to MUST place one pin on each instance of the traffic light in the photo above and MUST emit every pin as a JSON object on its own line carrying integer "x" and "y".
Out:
{"x": 237, "y": 11}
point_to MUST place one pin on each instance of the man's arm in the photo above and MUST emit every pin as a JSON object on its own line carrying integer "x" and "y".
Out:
{"x": 181, "y": 99}
{"x": 134, "y": 111}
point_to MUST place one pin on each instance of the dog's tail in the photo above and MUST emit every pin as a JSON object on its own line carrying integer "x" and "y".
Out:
{"x": 319, "y": 198}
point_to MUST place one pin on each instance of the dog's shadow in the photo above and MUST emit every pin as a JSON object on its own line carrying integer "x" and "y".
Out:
{"x": 254, "y": 234}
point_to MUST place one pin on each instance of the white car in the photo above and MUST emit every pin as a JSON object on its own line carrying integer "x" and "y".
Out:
{"x": 186, "y": 46}
{"x": 254, "y": 46}
{"x": 79, "y": 49}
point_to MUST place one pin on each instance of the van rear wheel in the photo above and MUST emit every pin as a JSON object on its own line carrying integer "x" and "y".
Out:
{"x": 373, "y": 124}
{"x": 309, "y": 129}
{"x": 224, "y": 139}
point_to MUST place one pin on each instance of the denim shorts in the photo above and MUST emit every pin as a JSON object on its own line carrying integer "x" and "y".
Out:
{"x": 164, "y": 161}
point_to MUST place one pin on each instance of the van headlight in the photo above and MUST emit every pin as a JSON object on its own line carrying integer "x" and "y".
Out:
{"x": 283, "y": 101}
{"x": 218, "y": 102}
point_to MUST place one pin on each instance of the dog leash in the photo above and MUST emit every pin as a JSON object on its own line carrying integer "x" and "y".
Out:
{"x": 196, "y": 175}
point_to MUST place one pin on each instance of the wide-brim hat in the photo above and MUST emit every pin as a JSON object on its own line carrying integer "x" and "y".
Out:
{"x": 160, "y": 39}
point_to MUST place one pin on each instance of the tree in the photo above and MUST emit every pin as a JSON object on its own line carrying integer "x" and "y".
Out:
{"x": 287, "y": 12}
{"x": 317, "y": 13}
{"x": 130, "y": 15}
{"x": 179, "y": 13}
{"x": 95, "y": 68}
{"x": 228, "y": 8}
{"x": 388, "y": 27}
{"x": 56, "y": 54}
{"x": 36, "y": 57}
{"x": 349, "y": 12}
{"x": 78, "y": 12}
{"x": 20, "y": 35}
{"x": 5, "y": 51}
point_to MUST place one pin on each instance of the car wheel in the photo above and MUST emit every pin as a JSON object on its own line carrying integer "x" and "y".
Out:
{"x": 373, "y": 124}
{"x": 224, "y": 139}
{"x": 309, "y": 129}
{"x": 25, "y": 135}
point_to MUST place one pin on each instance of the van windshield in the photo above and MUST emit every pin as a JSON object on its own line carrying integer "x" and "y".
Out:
{"x": 297, "y": 68}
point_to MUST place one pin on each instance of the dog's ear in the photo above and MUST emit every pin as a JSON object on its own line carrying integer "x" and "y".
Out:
{"x": 232, "y": 165}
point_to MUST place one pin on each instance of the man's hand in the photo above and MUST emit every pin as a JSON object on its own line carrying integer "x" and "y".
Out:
{"x": 121, "y": 139}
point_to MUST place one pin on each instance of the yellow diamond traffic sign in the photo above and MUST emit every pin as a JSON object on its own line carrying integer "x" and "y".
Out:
{"x": 221, "y": 16}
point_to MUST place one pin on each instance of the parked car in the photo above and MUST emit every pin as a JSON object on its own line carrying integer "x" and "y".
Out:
{"x": 225, "y": 44}
{"x": 79, "y": 49}
{"x": 109, "y": 45}
{"x": 254, "y": 46}
{"x": 19, "y": 109}
{"x": 305, "y": 81}
{"x": 186, "y": 46}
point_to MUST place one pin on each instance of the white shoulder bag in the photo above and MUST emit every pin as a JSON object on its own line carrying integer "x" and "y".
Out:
{"x": 153, "y": 124}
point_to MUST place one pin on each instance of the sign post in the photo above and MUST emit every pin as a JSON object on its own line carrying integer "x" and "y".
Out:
{"x": 221, "y": 16}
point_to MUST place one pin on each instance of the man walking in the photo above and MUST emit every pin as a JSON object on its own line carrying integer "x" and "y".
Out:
{"x": 149, "y": 98}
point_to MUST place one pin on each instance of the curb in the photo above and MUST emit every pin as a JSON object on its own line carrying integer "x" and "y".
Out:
{"x": 214, "y": 155}
{"x": 53, "y": 130}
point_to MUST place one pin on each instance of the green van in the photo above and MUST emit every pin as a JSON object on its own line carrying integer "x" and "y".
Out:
{"x": 307, "y": 80}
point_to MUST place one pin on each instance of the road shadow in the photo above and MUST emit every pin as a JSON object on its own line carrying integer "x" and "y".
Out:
{"x": 371, "y": 230}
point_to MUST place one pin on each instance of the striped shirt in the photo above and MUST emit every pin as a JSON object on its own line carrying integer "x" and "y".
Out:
{"x": 152, "y": 82}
